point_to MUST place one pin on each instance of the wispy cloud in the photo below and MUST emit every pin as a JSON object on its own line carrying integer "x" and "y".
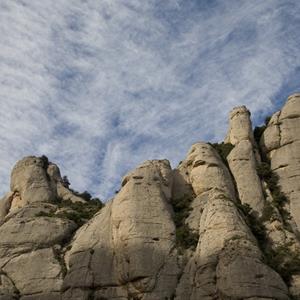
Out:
{"x": 100, "y": 86}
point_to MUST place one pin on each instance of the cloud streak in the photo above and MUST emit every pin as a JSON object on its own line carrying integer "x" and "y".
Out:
{"x": 100, "y": 86}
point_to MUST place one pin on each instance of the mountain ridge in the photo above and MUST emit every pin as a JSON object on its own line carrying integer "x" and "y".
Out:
{"x": 224, "y": 224}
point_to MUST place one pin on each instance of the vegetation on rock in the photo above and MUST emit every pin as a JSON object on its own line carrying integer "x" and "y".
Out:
{"x": 279, "y": 199}
{"x": 259, "y": 130}
{"x": 284, "y": 261}
{"x": 223, "y": 150}
{"x": 79, "y": 212}
{"x": 185, "y": 236}
{"x": 65, "y": 181}
{"x": 254, "y": 223}
{"x": 45, "y": 161}
{"x": 268, "y": 213}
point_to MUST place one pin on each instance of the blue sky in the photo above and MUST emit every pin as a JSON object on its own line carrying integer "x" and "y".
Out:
{"x": 100, "y": 86}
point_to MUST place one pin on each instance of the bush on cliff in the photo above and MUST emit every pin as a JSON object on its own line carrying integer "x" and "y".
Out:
{"x": 223, "y": 149}
{"x": 259, "y": 130}
{"x": 79, "y": 212}
{"x": 279, "y": 199}
{"x": 185, "y": 236}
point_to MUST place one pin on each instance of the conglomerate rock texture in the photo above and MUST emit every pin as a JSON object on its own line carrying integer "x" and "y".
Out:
{"x": 225, "y": 224}
{"x": 281, "y": 143}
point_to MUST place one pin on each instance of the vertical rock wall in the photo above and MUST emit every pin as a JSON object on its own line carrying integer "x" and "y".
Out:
{"x": 226, "y": 246}
{"x": 128, "y": 250}
{"x": 243, "y": 159}
{"x": 281, "y": 143}
{"x": 31, "y": 238}
{"x": 132, "y": 248}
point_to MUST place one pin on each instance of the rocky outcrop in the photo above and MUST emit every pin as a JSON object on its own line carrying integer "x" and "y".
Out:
{"x": 128, "y": 250}
{"x": 281, "y": 144}
{"x": 30, "y": 181}
{"x": 240, "y": 126}
{"x": 34, "y": 230}
{"x": 226, "y": 245}
{"x": 35, "y": 180}
{"x": 223, "y": 225}
{"x": 243, "y": 159}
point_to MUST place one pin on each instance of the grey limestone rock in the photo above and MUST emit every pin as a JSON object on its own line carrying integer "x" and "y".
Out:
{"x": 133, "y": 247}
{"x": 128, "y": 249}
{"x": 226, "y": 245}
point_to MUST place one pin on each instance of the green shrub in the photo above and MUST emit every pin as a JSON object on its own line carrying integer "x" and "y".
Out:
{"x": 185, "y": 237}
{"x": 84, "y": 195}
{"x": 258, "y": 131}
{"x": 223, "y": 149}
{"x": 79, "y": 212}
{"x": 45, "y": 161}
{"x": 258, "y": 229}
{"x": 83, "y": 210}
{"x": 245, "y": 208}
{"x": 45, "y": 214}
{"x": 59, "y": 257}
{"x": 255, "y": 224}
{"x": 181, "y": 208}
{"x": 279, "y": 199}
{"x": 284, "y": 261}
{"x": 71, "y": 215}
{"x": 65, "y": 182}
{"x": 268, "y": 212}
{"x": 264, "y": 171}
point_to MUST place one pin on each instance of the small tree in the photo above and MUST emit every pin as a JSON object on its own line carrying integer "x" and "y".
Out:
{"x": 85, "y": 195}
{"x": 45, "y": 161}
{"x": 65, "y": 182}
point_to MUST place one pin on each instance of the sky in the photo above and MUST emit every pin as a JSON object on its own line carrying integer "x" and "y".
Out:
{"x": 101, "y": 86}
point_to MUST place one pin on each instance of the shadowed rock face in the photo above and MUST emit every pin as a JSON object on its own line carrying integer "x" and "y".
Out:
{"x": 244, "y": 158}
{"x": 139, "y": 246}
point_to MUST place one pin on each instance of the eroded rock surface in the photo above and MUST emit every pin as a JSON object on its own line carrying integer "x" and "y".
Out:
{"x": 216, "y": 227}
{"x": 226, "y": 245}
{"x": 244, "y": 158}
{"x": 33, "y": 231}
{"x": 128, "y": 250}
{"x": 281, "y": 143}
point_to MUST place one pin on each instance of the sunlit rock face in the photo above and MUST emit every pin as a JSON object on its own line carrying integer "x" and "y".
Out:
{"x": 281, "y": 143}
{"x": 244, "y": 158}
{"x": 128, "y": 250}
{"x": 31, "y": 236}
{"x": 224, "y": 224}
{"x": 226, "y": 245}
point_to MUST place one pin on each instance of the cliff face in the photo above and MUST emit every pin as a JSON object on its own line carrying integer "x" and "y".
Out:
{"x": 223, "y": 225}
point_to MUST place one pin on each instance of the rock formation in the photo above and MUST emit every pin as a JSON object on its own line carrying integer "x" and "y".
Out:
{"x": 36, "y": 218}
{"x": 223, "y": 225}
